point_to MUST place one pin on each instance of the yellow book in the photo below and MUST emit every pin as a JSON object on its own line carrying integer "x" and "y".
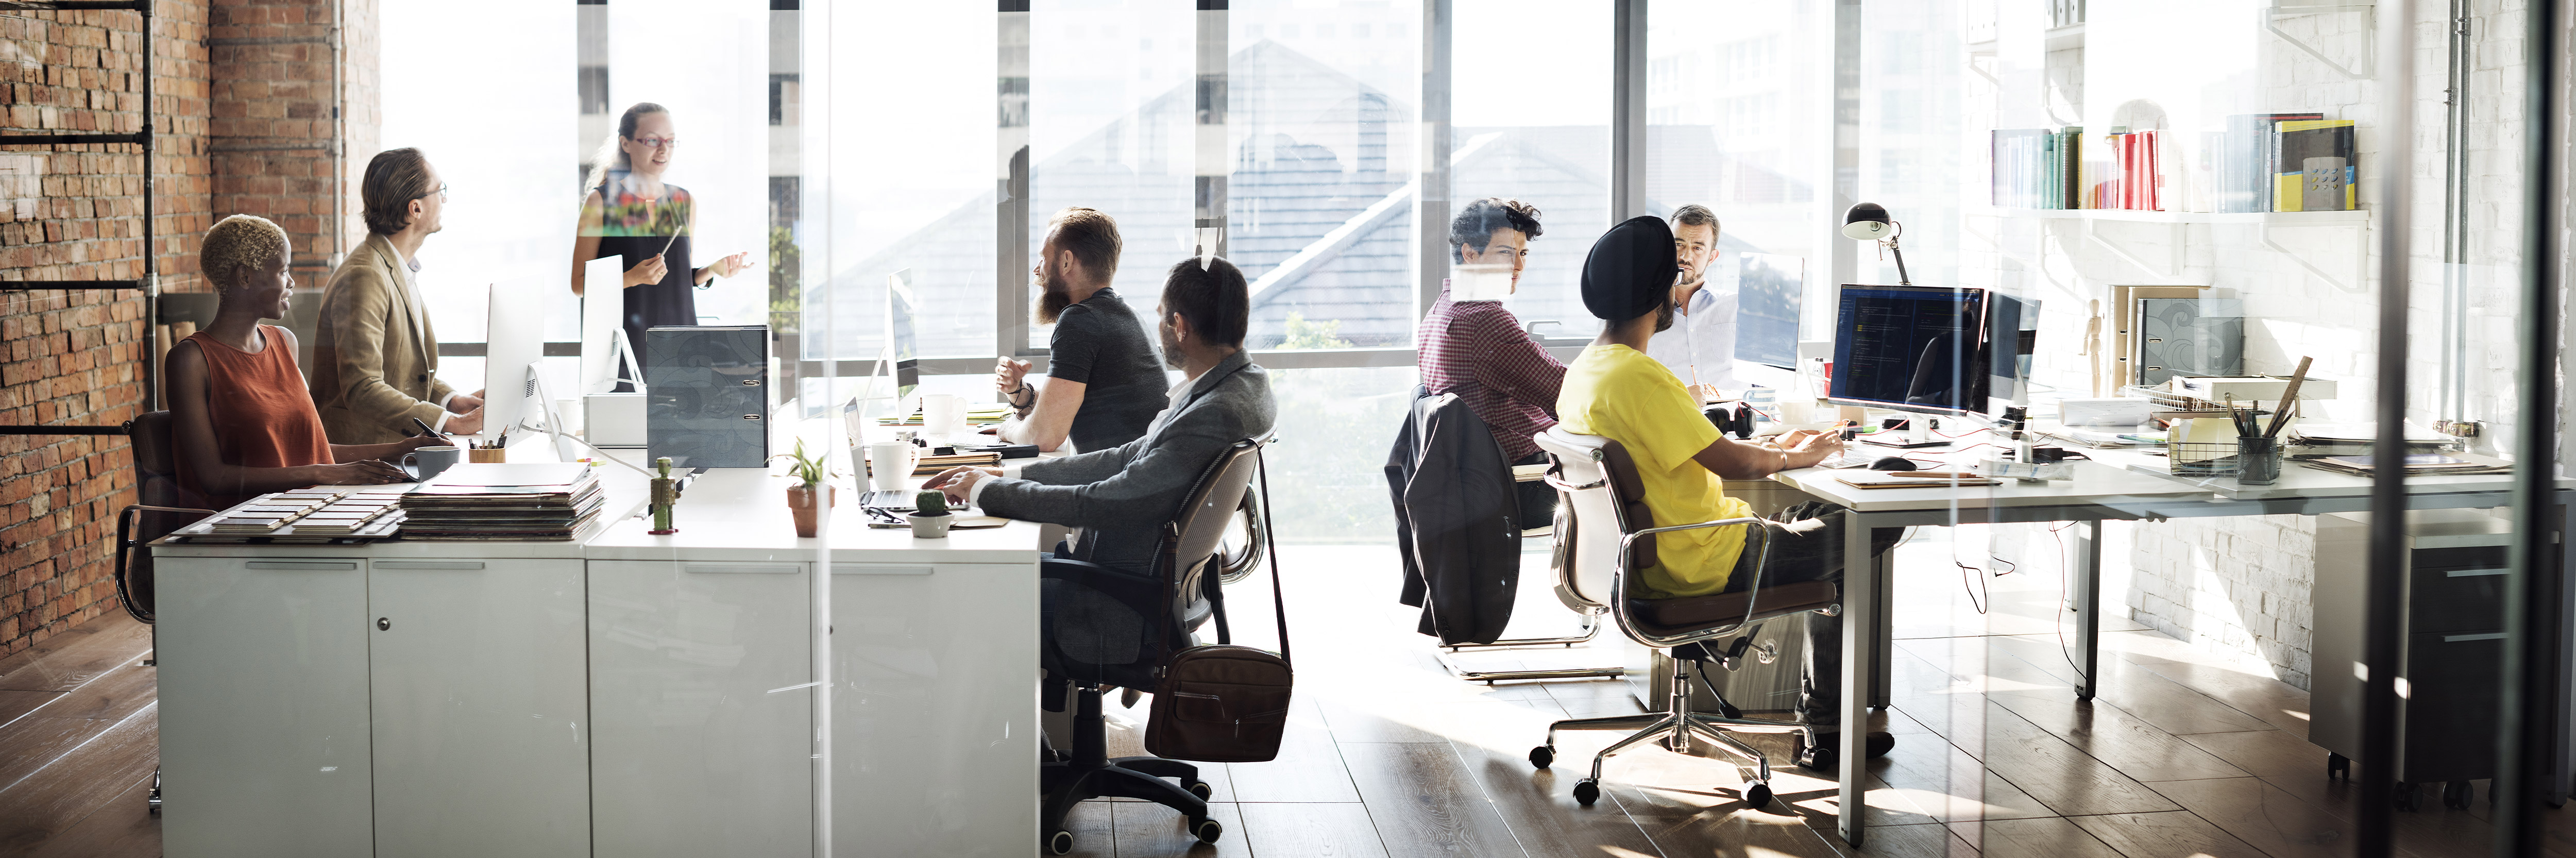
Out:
{"x": 2312, "y": 166}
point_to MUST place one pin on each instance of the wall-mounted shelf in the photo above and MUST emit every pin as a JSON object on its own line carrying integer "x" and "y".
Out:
{"x": 2263, "y": 222}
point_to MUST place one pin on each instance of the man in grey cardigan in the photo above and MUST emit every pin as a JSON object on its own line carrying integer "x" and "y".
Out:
{"x": 1120, "y": 497}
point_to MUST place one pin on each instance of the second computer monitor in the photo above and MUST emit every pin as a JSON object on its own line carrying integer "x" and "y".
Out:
{"x": 1910, "y": 348}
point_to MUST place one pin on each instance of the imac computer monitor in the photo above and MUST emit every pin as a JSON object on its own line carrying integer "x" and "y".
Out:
{"x": 513, "y": 339}
{"x": 1768, "y": 289}
{"x": 604, "y": 348}
{"x": 902, "y": 337}
{"x": 1909, "y": 348}
{"x": 2012, "y": 332}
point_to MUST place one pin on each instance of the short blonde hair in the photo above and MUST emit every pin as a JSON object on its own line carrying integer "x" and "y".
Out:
{"x": 238, "y": 242}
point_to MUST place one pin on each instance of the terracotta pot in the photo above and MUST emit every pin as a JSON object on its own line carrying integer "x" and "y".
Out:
{"x": 800, "y": 501}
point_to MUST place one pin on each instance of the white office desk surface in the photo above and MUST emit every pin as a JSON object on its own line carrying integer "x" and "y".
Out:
{"x": 2095, "y": 484}
{"x": 741, "y": 514}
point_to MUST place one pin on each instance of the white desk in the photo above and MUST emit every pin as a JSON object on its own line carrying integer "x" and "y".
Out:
{"x": 2111, "y": 488}
{"x": 623, "y": 694}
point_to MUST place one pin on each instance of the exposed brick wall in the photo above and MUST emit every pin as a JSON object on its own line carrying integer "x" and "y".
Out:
{"x": 274, "y": 112}
{"x": 78, "y": 357}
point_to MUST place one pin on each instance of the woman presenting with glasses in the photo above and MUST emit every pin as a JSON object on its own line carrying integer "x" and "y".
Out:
{"x": 632, "y": 214}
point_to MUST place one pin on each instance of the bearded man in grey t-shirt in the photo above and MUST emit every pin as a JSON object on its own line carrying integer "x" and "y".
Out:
{"x": 1104, "y": 383}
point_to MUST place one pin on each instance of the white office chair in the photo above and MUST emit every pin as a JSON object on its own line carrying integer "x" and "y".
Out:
{"x": 1610, "y": 543}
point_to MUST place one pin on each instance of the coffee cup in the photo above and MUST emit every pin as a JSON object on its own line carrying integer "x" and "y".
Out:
{"x": 425, "y": 463}
{"x": 943, "y": 416}
{"x": 892, "y": 462}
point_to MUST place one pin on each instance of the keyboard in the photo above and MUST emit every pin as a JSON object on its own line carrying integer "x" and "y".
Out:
{"x": 893, "y": 499}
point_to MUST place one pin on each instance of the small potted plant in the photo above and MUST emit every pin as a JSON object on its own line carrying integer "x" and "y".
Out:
{"x": 811, "y": 494}
{"x": 930, "y": 516}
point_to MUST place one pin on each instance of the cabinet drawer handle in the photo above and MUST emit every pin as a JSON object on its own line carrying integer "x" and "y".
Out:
{"x": 384, "y": 624}
{"x": 872, "y": 569}
{"x": 302, "y": 565}
{"x": 2490, "y": 636}
{"x": 429, "y": 564}
{"x": 2472, "y": 573}
{"x": 737, "y": 569}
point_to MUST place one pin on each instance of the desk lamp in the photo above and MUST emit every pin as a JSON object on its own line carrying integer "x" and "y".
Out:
{"x": 1869, "y": 222}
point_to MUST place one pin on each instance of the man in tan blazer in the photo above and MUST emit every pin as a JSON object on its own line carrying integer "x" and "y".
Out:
{"x": 375, "y": 355}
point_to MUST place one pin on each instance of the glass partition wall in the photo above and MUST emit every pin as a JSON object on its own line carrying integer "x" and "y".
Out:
{"x": 2203, "y": 189}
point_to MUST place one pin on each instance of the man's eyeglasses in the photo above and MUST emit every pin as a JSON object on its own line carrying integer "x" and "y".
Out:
{"x": 656, "y": 142}
{"x": 441, "y": 192}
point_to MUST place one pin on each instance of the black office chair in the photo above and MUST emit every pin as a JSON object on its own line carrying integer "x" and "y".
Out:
{"x": 1182, "y": 593}
{"x": 1611, "y": 545}
{"x": 166, "y": 507}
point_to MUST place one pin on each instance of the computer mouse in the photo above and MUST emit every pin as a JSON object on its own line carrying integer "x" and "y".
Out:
{"x": 1892, "y": 463}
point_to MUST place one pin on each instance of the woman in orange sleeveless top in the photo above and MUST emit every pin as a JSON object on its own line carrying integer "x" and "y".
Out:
{"x": 243, "y": 422}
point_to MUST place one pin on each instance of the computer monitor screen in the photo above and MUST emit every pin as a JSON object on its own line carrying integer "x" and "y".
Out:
{"x": 901, "y": 333}
{"x": 1767, "y": 292}
{"x": 2012, "y": 331}
{"x": 1910, "y": 348}
{"x": 513, "y": 338}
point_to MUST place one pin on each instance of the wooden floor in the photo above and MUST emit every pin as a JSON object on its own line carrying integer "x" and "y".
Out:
{"x": 79, "y": 737}
{"x": 2184, "y": 754}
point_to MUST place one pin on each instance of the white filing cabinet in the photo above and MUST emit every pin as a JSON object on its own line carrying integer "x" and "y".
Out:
{"x": 343, "y": 705}
{"x": 703, "y": 730}
{"x": 263, "y": 694}
{"x": 909, "y": 638}
{"x": 480, "y": 720}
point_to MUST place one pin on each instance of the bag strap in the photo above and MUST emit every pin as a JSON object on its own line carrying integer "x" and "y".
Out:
{"x": 1278, "y": 597}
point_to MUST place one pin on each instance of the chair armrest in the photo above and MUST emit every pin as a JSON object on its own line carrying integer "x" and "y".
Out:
{"x": 1561, "y": 485}
{"x": 1084, "y": 571}
{"x": 1619, "y": 582}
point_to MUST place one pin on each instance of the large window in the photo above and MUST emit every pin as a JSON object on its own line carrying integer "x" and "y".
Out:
{"x": 1530, "y": 83}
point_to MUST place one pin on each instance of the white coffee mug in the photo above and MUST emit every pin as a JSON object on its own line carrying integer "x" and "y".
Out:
{"x": 892, "y": 462}
{"x": 943, "y": 416}
{"x": 426, "y": 462}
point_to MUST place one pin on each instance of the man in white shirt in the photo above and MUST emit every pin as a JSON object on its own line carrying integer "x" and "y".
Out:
{"x": 1700, "y": 346}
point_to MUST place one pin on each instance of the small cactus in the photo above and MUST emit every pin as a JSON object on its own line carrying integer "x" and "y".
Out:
{"x": 930, "y": 502}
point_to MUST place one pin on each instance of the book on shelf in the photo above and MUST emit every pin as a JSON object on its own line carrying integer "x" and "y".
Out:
{"x": 2244, "y": 163}
{"x": 2032, "y": 167}
{"x": 2312, "y": 166}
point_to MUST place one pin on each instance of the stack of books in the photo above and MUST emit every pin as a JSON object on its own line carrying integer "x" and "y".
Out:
{"x": 2035, "y": 168}
{"x": 931, "y": 465}
{"x": 495, "y": 502}
{"x": 979, "y": 414}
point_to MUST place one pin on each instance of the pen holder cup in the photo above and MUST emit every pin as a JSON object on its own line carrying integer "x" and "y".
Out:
{"x": 487, "y": 454}
{"x": 2258, "y": 460}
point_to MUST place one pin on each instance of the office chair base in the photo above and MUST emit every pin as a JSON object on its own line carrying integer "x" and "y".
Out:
{"x": 152, "y": 804}
{"x": 1591, "y": 627}
{"x": 1088, "y": 773}
{"x": 1673, "y": 729}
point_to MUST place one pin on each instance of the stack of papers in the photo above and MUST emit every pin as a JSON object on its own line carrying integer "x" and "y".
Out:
{"x": 992, "y": 412}
{"x": 2421, "y": 463}
{"x": 488, "y": 501}
{"x": 931, "y": 465}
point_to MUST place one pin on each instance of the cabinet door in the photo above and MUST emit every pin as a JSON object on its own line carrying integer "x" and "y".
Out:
{"x": 479, "y": 683}
{"x": 934, "y": 709}
{"x": 701, "y": 728}
{"x": 263, "y": 696}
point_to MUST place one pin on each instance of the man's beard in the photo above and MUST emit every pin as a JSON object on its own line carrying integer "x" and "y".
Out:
{"x": 1051, "y": 304}
{"x": 1664, "y": 317}
{"x": 1171, "y": 347}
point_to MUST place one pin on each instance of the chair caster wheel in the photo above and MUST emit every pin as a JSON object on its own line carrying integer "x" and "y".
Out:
{"x": 1758, "y": 797}
{"x": 1541, "y": 756}
{"x": 1060, "y": 843}
{"x": 1587, "y": 791}
{"x": 1207, "y": 831}
{"x": 1200, "y": 789}
{"x": 2407, "y": 797}
{"x": 2338, "y": 766}
{"x": 2456, "y": 795}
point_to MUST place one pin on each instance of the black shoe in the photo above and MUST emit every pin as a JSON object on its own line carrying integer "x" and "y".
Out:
{"x": 1826, "y": 756}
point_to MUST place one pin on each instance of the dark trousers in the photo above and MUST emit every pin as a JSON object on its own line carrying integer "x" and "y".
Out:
{"x": 1537, "y": 499}
{"x": 1809, "y": 547}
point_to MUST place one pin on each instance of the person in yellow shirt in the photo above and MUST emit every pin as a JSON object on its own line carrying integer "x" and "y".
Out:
{"x": 1615, "y": 391}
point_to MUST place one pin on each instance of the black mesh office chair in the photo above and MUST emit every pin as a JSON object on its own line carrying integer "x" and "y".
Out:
{"x": 165, "y": 508}
{"x": 1611, "y": 544}
{"x": 1180, "y": 594}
